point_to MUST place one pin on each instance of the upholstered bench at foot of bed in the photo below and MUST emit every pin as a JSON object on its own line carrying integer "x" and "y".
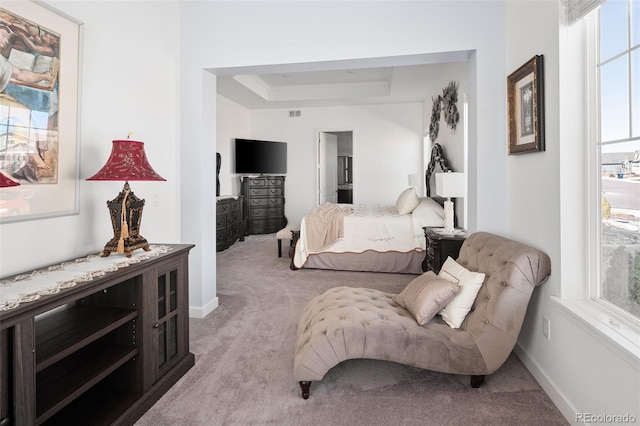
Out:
{"x": 286, "y": 233}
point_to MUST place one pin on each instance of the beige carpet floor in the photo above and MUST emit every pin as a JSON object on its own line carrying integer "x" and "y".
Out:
{"x": 244, "y": 360}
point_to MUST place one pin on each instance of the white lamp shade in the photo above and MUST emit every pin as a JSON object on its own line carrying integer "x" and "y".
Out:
{"x": 451, "y": 185}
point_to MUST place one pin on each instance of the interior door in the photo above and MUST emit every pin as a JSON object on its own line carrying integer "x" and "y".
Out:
{"x": 327, "y": 168}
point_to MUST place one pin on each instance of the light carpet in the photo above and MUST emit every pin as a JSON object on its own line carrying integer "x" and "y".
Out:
{"x": 244, "y": 362}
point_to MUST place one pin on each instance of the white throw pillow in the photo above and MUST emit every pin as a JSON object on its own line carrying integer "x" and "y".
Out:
{"x": 428, "y": 213}
{"x": 470, "y": 282}
{"x": 407, "y": 201}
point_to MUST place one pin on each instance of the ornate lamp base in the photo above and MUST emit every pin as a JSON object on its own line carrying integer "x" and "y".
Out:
{"x": 130, "y": 244}
{"x": 126, "y": 224}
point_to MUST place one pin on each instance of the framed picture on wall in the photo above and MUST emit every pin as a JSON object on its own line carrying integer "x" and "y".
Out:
{"x": 525, "y": 95}
{"x": 39, "y": 92}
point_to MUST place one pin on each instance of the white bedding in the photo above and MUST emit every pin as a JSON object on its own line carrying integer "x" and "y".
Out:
{"x": 378, "y": 228}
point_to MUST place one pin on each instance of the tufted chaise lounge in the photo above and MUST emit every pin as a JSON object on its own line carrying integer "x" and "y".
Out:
{"x": 347, "y": 323}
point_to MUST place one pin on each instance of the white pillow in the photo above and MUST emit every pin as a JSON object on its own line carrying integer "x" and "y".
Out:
{"x": 428, "y": 213}
{"x": 407, "y": 201}
{"x": 470, "y": 282}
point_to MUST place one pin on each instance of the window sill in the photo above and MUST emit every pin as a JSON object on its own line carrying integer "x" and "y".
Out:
{"x": 590, "y": 316}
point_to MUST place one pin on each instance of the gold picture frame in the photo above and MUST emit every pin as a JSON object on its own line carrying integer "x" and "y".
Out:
{"x": 525, "y": 95}
{"x": 39, "y": 119}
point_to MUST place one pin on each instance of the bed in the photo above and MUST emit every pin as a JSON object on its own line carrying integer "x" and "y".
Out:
{"x": 376, "y": 238}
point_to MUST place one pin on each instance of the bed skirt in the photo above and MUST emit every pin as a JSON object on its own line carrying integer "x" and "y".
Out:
{"x": 369, "y": 261}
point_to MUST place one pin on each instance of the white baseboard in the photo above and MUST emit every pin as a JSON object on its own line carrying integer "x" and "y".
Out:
{"x": 548, "y": 385}
{"x": 196, "y": 312}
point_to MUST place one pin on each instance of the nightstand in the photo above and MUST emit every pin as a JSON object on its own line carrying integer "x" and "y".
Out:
{"x": 440, "y": 246}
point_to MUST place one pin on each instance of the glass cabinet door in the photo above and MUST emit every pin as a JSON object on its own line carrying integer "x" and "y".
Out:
{"x": 167, "y": 321}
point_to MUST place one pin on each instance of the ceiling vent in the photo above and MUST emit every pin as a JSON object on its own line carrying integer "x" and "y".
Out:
{"x": 294, "y": 113}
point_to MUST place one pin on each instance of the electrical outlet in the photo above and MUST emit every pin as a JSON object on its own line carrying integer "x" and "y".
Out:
{"x": 546, "y": 328}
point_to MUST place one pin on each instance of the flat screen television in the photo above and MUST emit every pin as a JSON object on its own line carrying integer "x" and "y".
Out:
{"x": 263, "y": 157}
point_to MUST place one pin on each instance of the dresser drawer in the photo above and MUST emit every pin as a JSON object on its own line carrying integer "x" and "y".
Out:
{"x": 265, "y": 202}
{"x": 266, "y": 192}
{"x": 228, "y": 205}
{"x": 265, "y": 182}
{"x": 233, "y": 231}
{"x": 265, "y": 226}
{"x": 233, "y": 217}
{"x": 264, "y": 213}
{"x": 221, "y": 221}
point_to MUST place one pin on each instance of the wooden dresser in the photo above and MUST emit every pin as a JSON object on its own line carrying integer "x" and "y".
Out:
{"x": 264, "y": 204}
{"x": 229, "y": 221}
{"x": 95, "y": 341}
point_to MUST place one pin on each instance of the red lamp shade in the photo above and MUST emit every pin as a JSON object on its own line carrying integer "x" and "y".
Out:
{"x": 127, "y": 161}
{"x": 6, "y": 181}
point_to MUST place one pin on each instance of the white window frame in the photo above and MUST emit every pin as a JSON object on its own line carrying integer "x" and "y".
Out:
{"x": 616, "y": 323}
{"x": 580, "y": 262}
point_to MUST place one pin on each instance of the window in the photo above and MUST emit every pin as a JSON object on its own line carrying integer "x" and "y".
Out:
{"x": 617, "y": 285}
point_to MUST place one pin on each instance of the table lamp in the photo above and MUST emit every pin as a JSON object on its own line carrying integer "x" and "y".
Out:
{"x": 6, "y": 181}
{"x": 450, "y": 185}
{"x": 127, "y": 161}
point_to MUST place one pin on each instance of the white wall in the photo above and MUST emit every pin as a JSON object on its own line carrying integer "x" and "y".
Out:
{"x": 129, "y": 73}
{"x": 233, "y": 122}
{"x": 387, "y": 147}
{"x": 580, "y": 369}
{"x": 452, "y": 142}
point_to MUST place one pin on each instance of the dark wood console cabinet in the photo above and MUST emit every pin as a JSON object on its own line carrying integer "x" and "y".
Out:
{"x": 101, "y": 352}
{"x": 264, "y": 204}
{"x": 440, "y": 246}
{"x": 229, "y": 221}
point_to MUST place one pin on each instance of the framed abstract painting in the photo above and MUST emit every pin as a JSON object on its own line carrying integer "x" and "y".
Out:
{"x": 40, "y": 57}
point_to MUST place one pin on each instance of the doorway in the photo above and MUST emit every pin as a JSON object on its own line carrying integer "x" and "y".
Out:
{"x": 335, "y": 167}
